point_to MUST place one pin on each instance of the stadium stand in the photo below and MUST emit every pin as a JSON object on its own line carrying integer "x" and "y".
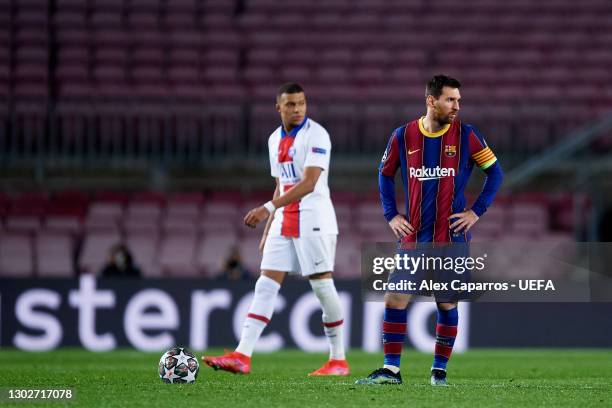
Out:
{"x": 117, "y": 73}
{"x": 188, "y": 234}
{"x": 126, "y": 84}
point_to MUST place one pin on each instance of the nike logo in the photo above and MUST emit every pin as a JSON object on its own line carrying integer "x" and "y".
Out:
{"x": 412, "y": 151}
{"x": 318, "y": 263}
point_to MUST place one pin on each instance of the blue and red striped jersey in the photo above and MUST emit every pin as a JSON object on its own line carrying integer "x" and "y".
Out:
{"x": 435, "y": 169}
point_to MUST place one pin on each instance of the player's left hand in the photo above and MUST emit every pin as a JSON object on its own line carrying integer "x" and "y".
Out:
{"x": 464, "y": 221}
{"x": 255, "y": 216}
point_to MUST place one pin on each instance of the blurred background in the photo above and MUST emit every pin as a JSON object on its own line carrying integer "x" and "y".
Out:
{"x": 133, "y": 133}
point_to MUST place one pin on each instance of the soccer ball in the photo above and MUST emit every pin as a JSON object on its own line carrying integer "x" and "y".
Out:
{"x": 178, "y": 365}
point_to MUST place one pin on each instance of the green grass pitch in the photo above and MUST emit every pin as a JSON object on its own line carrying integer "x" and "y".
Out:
{"x": 488, "y": 378}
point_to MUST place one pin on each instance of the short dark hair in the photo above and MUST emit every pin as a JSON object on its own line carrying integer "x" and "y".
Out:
{"x": 435, "y": 85}
{"x": 289, "y": 88}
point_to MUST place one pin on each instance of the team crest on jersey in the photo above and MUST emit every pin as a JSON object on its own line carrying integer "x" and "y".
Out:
{"x": 291, "y": 151}
{"x": 450, "y": 150}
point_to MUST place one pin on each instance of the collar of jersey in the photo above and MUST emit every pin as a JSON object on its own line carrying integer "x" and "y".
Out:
{"x": 430, "y": 134}
{"x": 295, "y": 130}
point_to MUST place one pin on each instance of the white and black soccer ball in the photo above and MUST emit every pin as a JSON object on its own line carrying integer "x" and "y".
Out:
{"x": 178, "y": 365}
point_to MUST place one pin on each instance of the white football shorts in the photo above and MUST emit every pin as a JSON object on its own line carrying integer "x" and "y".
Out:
{"x": 305, "y": 255}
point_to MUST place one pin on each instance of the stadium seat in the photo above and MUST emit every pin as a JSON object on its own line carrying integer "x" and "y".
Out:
{"x": 183, "y": 224}
{"x": 23, "y": 223}
{"x": 140, "y": 224}
{"x": 104, "y": 215}
{"x": 222, "y": 210}
{"x": 72, "y": 4}
{"x": 212, "y": 250}
{"x": 54, "y": 254}
{"x": 111, "y": 196}
{"x": 145, "y": 249}
{"x": 64, "y": 223}
{"x": 251, "y": 257}
{"x": 216, "y": 21}
{"x": 95, "y": 250}
{"x": 16, "y": 255}
{"x": 362, "y": 62}
{"x": 179, "y": 208}
{"x": 106, "y": 19}
{"x": 143, "y": 19}
{"x": 529, "y": 212}
{"x": 348, "y": 259}
{"x": 31, "y": 203}
{"x": 179, "y": 18}
{"x": 143, "y": 209}
{"x": 177, "y": 253}
{"x": 211, "y": 223}
{"x": 343, "y": 212}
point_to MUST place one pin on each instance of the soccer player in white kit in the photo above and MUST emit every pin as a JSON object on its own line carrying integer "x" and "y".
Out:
{"x": 301, "y": 235}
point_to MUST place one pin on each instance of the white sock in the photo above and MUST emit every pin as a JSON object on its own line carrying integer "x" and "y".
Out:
{"x": 333, "y": 325}
{"x": 260, "y": 312}
{"x": 394, "y": 369}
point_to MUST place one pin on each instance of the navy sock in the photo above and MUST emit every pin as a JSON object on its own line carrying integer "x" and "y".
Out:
{"x": 393, "y": 335}
{"x": 446, "y": 332}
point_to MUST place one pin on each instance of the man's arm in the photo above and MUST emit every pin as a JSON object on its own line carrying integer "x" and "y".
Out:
{"x": 270, "y": 218}
{"x": 495, "y": 176}
{"x": 466, "y": 219}
{"x": 305, "y": 186}
{"x": 386, "y": 187}
{"x": 483, "y": 157}
{"x": 398, "y": 222}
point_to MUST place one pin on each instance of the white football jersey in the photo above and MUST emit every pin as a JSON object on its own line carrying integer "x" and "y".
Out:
{"x": 308, "y": 145}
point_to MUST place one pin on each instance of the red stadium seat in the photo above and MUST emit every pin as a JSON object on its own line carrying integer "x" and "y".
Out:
{"x": 147, "y": 55}
{"x": 212, "y": 251}
{"x": 184, "y": 58}
{"x": 107, "y": 19}
{"x": 16, "y": 256}
{"x": 64, "y": 223}
{"x": 143, "y": 20}
{"x": 143, "y": 215}
{"x": 95, "y": 250}
{"x": 145, "y": 248}
{"x": 22, "y": 223}
{"x": 251, "y": 257}
{"x": 343, "y": 212}
{"x": 72, "y": 4}
{"x": 118, "y": 197}
{"x": 216, "y": 21}
{"x": 108, "y": 5}
{"x": 104, "y": 216}
{"x": 152, "y": 5}
{"x": 219, "y": 6}
{"x": 182, "y": 224}
{"x": 54, "y": 254}
{"x": 348, "y": 259}
{"x": 177, "y": 253}
{"x": 72, "y": 36}
{"x": 258, "y": 75}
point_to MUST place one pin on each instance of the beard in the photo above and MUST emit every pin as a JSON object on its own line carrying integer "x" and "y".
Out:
{"x": 445, "y": 119}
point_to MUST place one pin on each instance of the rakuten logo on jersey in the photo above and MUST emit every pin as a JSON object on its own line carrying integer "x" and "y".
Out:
{"x": 426, "y": 173}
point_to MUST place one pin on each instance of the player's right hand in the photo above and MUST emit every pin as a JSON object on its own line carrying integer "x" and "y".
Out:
{"x": 400, "y": 226}
{"x": 255, "y": 216}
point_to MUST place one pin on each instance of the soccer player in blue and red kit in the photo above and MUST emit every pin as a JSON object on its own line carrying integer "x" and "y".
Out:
{"x": 436, "y": 155}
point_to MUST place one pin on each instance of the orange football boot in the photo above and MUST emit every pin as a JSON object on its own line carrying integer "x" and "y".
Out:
{"x": 332, "y": 367}
{"x": 234, "y": 362}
